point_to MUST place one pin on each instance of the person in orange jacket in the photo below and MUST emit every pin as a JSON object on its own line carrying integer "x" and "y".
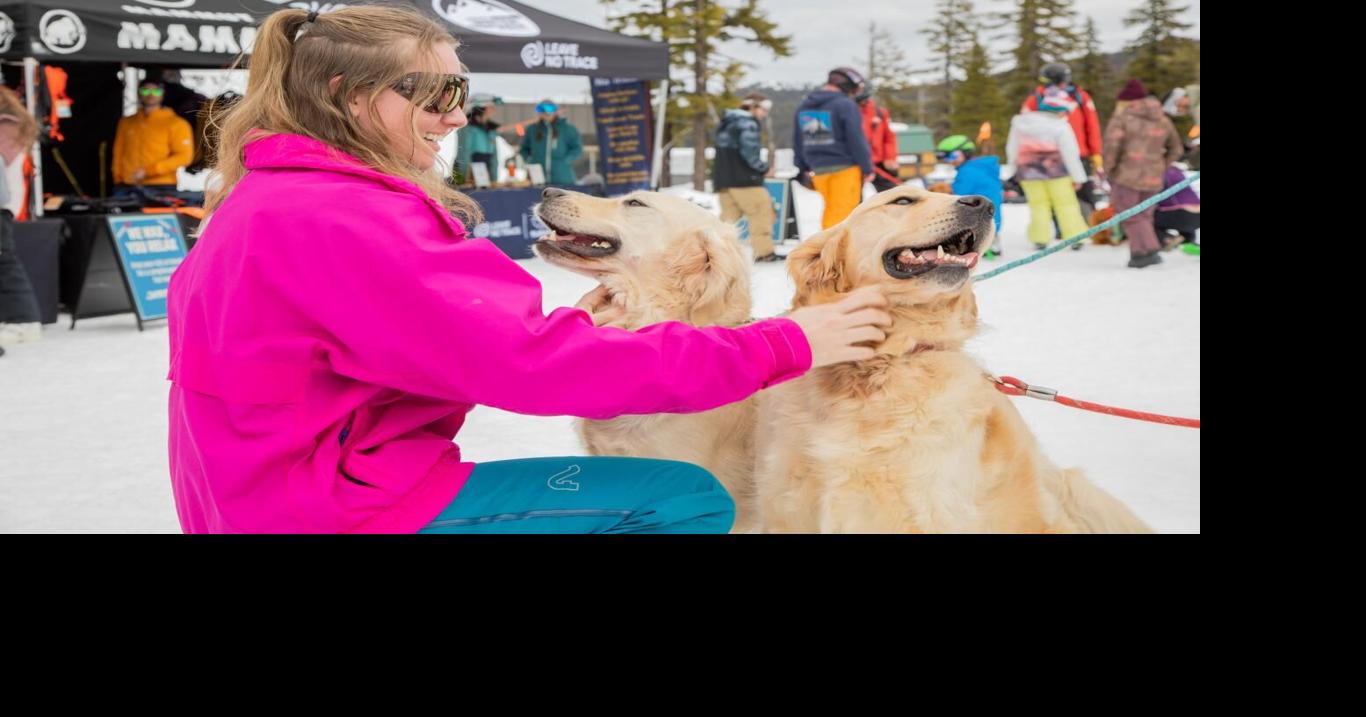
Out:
{"x": 152, "y": 144}
{"x": 877, "y": 125}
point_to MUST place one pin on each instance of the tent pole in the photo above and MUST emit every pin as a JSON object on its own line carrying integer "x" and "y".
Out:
{"x": 663, "y": 107}
{"x": 132, "y": 76}
{"x": 31, "y": 97}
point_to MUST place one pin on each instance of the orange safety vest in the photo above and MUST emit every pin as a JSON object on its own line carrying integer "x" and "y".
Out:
{"x": 60, "y": 104}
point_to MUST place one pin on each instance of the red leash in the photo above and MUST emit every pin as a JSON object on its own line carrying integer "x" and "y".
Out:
{"x": 1012, "y": 386}
{"x": 877, "y": 169}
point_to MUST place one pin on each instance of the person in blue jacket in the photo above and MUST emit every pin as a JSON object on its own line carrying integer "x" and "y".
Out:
{"x": 976, "y": 175}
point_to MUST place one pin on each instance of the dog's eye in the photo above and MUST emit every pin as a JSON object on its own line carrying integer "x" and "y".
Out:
{"x": 635, "y": 203}
{"x": 904, "y": 201}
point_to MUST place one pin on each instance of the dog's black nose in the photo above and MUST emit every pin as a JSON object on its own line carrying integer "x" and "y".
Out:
{"x": 552, "y": 192}
{"x": 976, "y": 201}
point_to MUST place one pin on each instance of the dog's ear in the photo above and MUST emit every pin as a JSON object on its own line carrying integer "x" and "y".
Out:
{"x": 696, "y": 267}
{"x": 817, "y": 265}
{"x": 690, "y": 256}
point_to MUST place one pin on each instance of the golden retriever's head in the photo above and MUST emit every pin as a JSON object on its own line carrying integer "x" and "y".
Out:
{"x": 919, "y": 247}
{"x": 663, "y": 258}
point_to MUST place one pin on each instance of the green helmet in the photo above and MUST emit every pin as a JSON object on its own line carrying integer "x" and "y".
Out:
{"x": 955, "y": 143}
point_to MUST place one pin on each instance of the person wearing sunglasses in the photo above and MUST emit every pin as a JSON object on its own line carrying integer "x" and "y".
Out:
{"x": 151, "y": 144}
{"x": 553, "y": 143}
{"x": 335, "y": 323}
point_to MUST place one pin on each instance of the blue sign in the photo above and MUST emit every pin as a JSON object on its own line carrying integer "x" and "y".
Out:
{"x": 149, "y": 248}
{"x": 777, "y": 189}
{"x": 621, "y": 110}
{"x": 508, "y": 220}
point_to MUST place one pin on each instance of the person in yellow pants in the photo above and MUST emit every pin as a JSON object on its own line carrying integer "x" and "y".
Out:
{"x": 1043, "y": 149}
{"x": 1049, "y": 198}
{"x": 829, "y": 147}
{"x": 842, "y": 191}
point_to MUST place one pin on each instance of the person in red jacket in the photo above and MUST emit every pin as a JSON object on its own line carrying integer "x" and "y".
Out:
{"x": 877, "y": 126}
{"x": 1085, "y": 123}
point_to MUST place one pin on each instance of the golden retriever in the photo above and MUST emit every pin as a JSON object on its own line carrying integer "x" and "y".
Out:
{"x": 917, "y": 439}
{"x": 662, "y": 258}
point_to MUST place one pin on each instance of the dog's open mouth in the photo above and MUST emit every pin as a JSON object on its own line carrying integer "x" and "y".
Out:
{"x": 953, "y": 253}
{"x": 587, "y": 246}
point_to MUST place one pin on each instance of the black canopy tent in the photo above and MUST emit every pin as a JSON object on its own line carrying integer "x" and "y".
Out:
{"x": 496, "y": 36}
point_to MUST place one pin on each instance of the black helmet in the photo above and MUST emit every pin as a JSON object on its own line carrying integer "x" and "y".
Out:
{"x": 1055, "y": 73}
{"x": 847, "y": 79}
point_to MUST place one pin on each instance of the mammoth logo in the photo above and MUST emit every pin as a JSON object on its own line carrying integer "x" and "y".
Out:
{"x": 7, "y": 32}
{"x": 487, "y": 16}
{"x": 62, "y": 31}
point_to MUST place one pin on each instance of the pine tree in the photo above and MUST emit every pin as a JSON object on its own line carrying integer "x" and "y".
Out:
{"x": 694, "y": 29}
{"x": 888, "y": 72}
{"x": 1156, "y": 59}
{"x": 978, "y": 99}
{"x": 1092, "y": 72}
{"x": 1041, "y": 32}
{"x": 951, "y": 35}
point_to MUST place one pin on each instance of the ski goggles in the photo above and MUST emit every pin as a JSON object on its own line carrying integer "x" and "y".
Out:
{"x": 455, "y": 90}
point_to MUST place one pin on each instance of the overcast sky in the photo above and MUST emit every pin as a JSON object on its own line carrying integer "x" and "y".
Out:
{"x": 825, "y": 34}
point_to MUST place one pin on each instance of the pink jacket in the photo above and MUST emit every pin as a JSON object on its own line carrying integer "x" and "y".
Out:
{"x": 333, "y": 326}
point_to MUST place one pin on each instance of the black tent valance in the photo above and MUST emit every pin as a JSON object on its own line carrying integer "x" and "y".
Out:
{"x": 496, "y": 35}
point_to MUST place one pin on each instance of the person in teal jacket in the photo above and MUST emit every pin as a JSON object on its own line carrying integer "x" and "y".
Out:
{"x": 552, "y": 143}
{"x": 478, "y": 140}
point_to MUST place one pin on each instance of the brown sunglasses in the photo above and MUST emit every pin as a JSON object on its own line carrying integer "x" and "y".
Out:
{"x": 455, "y": 90}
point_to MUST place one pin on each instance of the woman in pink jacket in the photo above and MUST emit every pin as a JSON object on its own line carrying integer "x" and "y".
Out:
{"x": 334, "y": 324}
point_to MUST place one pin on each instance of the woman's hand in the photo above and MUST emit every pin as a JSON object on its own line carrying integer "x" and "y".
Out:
{"x": 832, "y": 330}
{"x": 598, "y": 304}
